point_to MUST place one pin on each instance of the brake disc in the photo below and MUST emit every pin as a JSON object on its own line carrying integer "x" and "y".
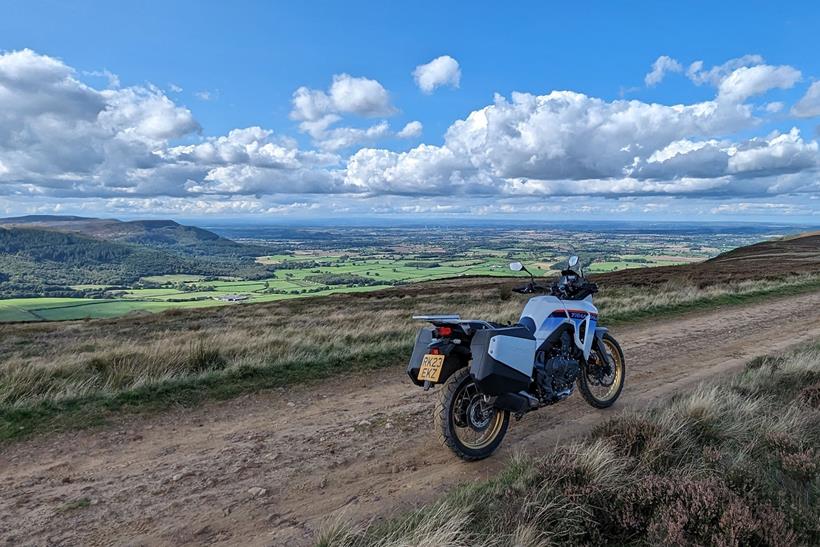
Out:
{"x": 478, "y": 416}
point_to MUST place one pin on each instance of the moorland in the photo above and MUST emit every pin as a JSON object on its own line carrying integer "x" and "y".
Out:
{"x": 259, "y": 420}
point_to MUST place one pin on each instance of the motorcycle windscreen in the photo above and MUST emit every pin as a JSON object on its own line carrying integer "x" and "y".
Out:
{"x": 502, "y": 360}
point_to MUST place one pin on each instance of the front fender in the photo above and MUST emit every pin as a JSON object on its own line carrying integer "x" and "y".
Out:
{"x": 599, "y": 340}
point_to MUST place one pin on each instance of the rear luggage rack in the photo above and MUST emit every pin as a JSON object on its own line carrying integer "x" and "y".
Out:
{"x": 453, "y": 317}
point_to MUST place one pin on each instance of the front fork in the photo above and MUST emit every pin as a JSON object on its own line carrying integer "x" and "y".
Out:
{"x": 601, "y": 351}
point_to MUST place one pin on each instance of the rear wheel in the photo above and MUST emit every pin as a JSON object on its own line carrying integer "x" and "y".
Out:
{"x": 465, "y": 422}
{"x": 602, "y": 378}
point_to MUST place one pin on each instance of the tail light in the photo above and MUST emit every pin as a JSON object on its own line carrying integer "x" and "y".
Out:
{"x": 444, "y": 331}
{"x": 435, "y": 351}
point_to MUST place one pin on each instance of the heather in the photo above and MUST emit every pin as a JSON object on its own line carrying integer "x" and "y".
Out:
{"x": 735, "y": 462}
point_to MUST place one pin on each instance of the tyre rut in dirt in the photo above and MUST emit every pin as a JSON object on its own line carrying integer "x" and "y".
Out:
{"x": 590, "y": 385}
{"x": 465, "y": 423}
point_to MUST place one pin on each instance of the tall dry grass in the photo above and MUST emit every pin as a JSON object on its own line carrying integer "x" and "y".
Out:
{"x": 621, "y": 302}
{"x": 732, "y": 463}
{"x": 296, "y": 340}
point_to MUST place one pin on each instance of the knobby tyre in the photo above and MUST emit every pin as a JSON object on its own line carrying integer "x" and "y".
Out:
{"x": 466, "y": 424}
{"x": 601, "y": 388}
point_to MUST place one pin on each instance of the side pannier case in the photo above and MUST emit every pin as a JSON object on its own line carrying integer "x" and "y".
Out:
{"x": 503, "y": 359}
{"x": 423, "y": 339}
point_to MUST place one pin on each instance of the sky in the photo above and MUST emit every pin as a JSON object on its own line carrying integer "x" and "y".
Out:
{"x": 697, "y": 111}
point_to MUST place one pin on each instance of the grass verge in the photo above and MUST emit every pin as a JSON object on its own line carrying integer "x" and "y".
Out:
{"x": 732, "y": 463}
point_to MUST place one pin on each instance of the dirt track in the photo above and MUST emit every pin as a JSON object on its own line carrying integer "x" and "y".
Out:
{"x": 362, "y": 446}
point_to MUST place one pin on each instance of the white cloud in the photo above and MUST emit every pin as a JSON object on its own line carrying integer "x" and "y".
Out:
{"x": 739, "y": 79}
{"x": 748, "y": 82}
{"x": 660, "y": 68}
{"x": 146, "y": 112}
{"x": 317, "y": 111}
{"x": 60, "y": 137}
{"x": 411, "y": 130}
{"x": 205, "y": 95}
{"x": 718, "y": 73}
{"x": 778, "y": 153}
{"x": 758, "y": 207}
{"x": 63, "y": 140}
{"x": 340, "y": 138}
{"x": 360, "y": 96}
{"x": 809, "y": 105}
{"x": 174, "y": 88}
{"x": 440, "y": 71}
{"x": 567, "y": 143}
{"x": 347, "y": 95}
{"x": 59, "y": 134}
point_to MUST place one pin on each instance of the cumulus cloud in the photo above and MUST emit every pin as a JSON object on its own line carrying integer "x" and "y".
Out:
{"x": 440, "y": 71}
{"x": 340, "y": 138}
{"x": 809, "y": 105}
{"x": 58, "y": 133}
{"x": 778, "y": 153}
{"x": 61, "y": 137}
{"x": 718, "y": 73}
{"x": 317, "y": 111}
{"x": 63, "y": 140}
{"x": 567, "y": 143}
{"x": 739, "y": 79}
{"x": 748, "y": 82}
{"x": 660, "y": 68}
{"x": 411, "y": 130}
{"x": 346, "y": 95}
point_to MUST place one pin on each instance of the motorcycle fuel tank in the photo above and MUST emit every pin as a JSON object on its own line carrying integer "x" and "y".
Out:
{"x": 548, "y": 312}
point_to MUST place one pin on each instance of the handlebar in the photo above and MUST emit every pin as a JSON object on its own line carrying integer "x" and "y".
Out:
{"x": 563, "y": 290}
{"x": 529, "y": 288}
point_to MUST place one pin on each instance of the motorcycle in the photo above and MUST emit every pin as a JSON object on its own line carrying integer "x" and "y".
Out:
{"x": 487, "y": 371}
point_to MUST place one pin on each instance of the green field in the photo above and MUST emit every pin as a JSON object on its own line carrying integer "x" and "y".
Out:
{"x": 300, "y": 276}
{"x": 185, "y": 291}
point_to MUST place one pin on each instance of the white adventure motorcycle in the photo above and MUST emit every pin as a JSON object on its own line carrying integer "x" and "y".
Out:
{"x": 488, "y": 371}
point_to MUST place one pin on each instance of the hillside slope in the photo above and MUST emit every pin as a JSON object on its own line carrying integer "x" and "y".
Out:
{"x": 161, "y": 234}
{"x": 776, "y": 259}
{"x": 44, "y": 262}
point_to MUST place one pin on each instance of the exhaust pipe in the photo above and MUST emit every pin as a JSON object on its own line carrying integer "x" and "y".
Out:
{"x": 516, "y": 403}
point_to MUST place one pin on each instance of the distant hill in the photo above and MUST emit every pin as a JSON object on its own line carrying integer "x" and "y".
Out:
{"x": 160, "y": 234}
{"x": 775, "y": 259}
{"x": 44, "y": 255}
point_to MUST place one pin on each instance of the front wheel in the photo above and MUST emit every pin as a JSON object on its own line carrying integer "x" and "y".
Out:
{"x": 602, "y": 377}
{"x": 466, "y": 423}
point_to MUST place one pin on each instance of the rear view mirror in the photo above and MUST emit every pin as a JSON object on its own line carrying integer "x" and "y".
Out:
{"x": 516, "y": 266}
{"x": 573, "y": 261}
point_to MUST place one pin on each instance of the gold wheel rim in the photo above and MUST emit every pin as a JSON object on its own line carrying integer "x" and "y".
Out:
{"x": 489, "y": 435}
{"x": 468, "y": 436}
{"x": 618, "y": 364}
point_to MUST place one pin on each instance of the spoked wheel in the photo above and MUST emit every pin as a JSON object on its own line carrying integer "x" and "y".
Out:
{"x": 602, "y": 379}
{"x": 466, "y": 423}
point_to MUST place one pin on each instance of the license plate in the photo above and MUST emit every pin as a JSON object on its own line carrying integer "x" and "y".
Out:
{"x": 431, "y": 367}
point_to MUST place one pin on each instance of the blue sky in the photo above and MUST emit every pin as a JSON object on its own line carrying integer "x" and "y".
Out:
{"x": 166, "y": 75}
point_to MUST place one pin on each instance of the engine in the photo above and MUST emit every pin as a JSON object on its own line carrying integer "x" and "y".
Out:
{"x": 556, "y": 371}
